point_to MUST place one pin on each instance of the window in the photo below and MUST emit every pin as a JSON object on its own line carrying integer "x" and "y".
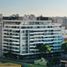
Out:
{"x": 23, "y": 27}
{"x": 36, "y": 22}
{"x": 15, "y": 27}
{"x": 49, "y": 26}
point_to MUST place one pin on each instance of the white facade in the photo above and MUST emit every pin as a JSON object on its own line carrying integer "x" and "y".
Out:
{"x": 1, "y": 35}
{"x": 22, "y": 36}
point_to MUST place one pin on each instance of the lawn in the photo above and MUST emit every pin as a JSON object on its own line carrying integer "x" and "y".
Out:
{"x": 20, "y": 62}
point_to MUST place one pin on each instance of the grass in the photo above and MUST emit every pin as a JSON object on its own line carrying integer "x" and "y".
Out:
{"x": 20, "y": 62}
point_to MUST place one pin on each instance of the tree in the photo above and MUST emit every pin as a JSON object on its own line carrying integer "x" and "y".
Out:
{"x": 44, "y": 48}
{"x": 64, "y": 47}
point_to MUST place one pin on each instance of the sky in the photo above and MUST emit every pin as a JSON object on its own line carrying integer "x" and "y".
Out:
{"x": 36, "y": 7}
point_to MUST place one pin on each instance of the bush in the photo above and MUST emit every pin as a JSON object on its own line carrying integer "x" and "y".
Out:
{"x": 41, "y": 61}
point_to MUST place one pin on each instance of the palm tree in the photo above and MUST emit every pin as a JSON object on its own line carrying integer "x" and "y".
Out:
{"x": 46, "y": 51}
{"x": 44, "y": 48}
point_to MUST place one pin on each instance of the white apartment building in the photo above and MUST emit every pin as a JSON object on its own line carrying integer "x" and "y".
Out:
{"x": 22, "y": 36}
{"x": 1, "y": 35}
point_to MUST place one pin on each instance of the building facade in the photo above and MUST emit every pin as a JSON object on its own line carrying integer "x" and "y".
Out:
{"x": 1, "y": 23}
{"x": 61, "y": 20}
{"x": 22, "y": 36}
{"x": 65, "y": 36}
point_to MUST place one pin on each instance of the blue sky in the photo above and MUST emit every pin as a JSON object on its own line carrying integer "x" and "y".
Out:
{"x": 37, "y": 7}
